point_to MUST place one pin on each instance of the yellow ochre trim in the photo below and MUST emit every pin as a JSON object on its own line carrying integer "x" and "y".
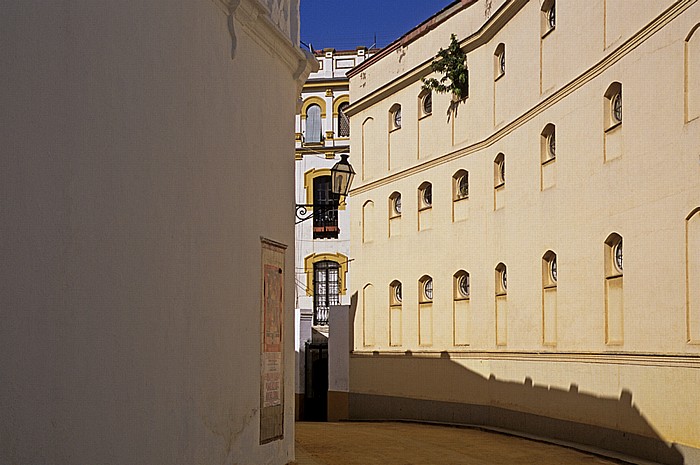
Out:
{"x": 311, "y": 101}
{"x": 339, "y": 258}
{"x": 309, "y": 185}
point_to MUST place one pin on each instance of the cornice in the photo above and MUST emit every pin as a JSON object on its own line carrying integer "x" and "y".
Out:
{"x": 305, "y": 151}
{"x": 604, "y": 358}
{"x": 255, "y": 18}
{"x": 487, "y": 31}
{"x": 596, "y": 70}
{"x": 322, "y": 84}
{"x": 423, "y": 28}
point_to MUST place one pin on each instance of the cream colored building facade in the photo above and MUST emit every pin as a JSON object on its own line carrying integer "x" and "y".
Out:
{"x": 147, "y": 243}
{"x": 532, "y": 261}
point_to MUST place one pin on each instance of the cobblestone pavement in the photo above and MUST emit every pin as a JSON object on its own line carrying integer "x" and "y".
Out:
{"x": 397, "y": 443}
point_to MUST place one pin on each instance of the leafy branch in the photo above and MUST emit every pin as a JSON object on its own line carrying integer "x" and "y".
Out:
{"x": 452, "y": 64}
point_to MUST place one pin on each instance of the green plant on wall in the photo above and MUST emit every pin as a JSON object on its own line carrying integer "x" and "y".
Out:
{"x": 452, "y": 64}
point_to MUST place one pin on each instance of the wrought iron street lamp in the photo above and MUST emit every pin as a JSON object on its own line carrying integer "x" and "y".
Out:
{"x": 342, "y": 175}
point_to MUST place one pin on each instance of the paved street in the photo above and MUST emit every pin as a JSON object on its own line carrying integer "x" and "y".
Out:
{"x": 389, "y": 443}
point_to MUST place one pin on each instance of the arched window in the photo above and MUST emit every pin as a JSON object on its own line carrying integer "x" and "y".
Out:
{"x": 425, "y": 311}
{"x": 343, "y": 120}
{"x": 461, "y": 285}
{"x": 425, "y": 100}
{"x": 395, "y": 205}
{"x": 395, "y": 117}
{"x": 425, "y": 196}
{"x": 368, "y": 223}
{"x": 499, "y": 61}
{"x": 313, "y": 124}
{"x": 501, "y": 305}
{"x": 499, "y": 171}
{"x": 325, "y": 209}
{"x": 501, "y": 280}
{"x": 460, "y": 185}
{"x": 548, "y": 143}
{"x": 548, "y": 17}
{"x": 613, "y": 106}
{"x": 395, "y": 302}
{"x": 368, "y": 314}
{"x": 692, "y": 257}
{"x": 425, "y": 291}
{"x": 549, "y": 298}
{"x": 614, "y": 303}
{"x": 326, "y": 290}
{"x": 692, "y": 74}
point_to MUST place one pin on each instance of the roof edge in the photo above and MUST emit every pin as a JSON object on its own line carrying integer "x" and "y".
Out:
{"x": 421, "y": 29}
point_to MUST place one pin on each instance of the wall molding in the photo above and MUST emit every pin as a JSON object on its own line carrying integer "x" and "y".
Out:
{"x": 593, "y": 72}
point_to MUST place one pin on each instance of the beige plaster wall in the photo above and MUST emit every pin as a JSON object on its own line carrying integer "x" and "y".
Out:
{"x": 132, "y": 174}
{"x": 569, "y": 207}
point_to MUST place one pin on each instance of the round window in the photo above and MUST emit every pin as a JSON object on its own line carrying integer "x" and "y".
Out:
{"x": 428, "y": 195}
{"x": 397, "y": 204}
{"x": 502, "y": 62}
{"x": 397, "y": 292}
{"x": 397, "y": 118}
{"x": 502, "y": 170}
{"x": 463, "y": 285}
{"x": 616, "y": 105}
{"x": 428, "y": 103}
{"x": 504, "y": 279}
{"x": 463, "y": 186}
{"x": 551, "y": 17}
{"x": 617, "y": 251}
{"x": 551, "y": 145}
{"x": 428, "y": 289}
{"x": 553, "y": 269}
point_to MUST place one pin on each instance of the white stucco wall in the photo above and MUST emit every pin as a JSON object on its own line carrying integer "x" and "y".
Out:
{"x": 135, "y": 154}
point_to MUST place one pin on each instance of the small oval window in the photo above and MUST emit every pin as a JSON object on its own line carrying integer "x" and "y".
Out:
{"x": 428, "y": 289}
{"x": 463, "y": 285}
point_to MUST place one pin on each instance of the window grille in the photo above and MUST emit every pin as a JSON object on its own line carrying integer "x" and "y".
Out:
{"x": 325, "y": 209}
{"x": 343, "y": 121}
{"x": 326, "y": 290}
{"x": 428, "y": 103}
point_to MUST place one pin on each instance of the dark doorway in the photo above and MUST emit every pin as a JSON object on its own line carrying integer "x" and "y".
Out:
{"x": 316, "y": 395}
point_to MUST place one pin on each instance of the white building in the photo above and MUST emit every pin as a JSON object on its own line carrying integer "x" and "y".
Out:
{"x": 323, "y": 238}
{"x": 146, "y": 238}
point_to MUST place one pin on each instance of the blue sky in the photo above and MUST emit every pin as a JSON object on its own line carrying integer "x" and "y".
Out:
{"x": 346, "y": 24}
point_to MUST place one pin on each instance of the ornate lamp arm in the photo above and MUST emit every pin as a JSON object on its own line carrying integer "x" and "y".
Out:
{"x": 302, "y": 212}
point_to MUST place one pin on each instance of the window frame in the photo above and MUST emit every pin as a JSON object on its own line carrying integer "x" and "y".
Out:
{"x": 395, "y": 209}
{"x": 425, "y": 96}
{"x": 613, "y": 101}
{"x": 548, "y": 143}
{"x": 425, "y": 290}
{"x": 343, "y": 117}
{"x": 499, "y": 61}
{"x": 548, "y": 17}
{"x": 549, "y": 270}
{"x": 501, "y": 274}
{"x": 457, "y": 192}
{"x": 330, "y": 298}
{"x": 395, "y": 293}
{"x": 499, "y": 173}
{"x": 613, "y": 244}
{"x": 425, "y": 189}
{"x": 320, "y": 124}
{"x": 395, "y": 121}
{"x": 460, "y": 277}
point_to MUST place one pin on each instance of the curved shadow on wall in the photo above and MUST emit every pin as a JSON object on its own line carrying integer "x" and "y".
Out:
{"x": 497, "y": 403}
